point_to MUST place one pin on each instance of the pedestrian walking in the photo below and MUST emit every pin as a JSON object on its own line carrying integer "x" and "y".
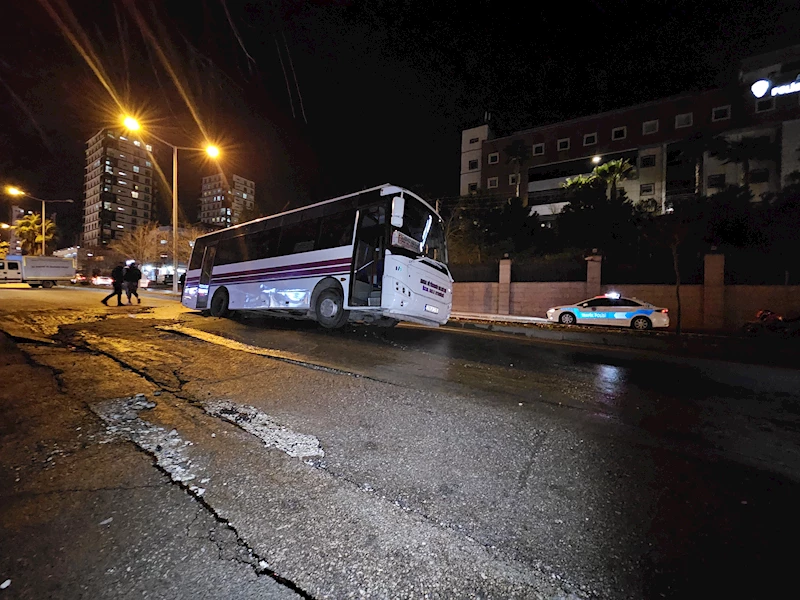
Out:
{"x": 182, "y": 280}
{"x": 132, "y": 277}
{"x": 117, "y": 277}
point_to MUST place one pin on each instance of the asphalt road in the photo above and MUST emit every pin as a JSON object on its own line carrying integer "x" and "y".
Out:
{"x": 393, "y": 463}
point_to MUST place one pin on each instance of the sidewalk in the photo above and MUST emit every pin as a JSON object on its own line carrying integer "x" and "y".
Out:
{"x": 770, "y": 351}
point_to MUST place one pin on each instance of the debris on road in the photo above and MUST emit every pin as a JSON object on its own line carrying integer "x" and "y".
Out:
{"x": 274, "y": 435}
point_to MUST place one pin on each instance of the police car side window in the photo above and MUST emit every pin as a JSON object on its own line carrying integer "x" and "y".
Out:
{"x": 598, "y": 302}
{"x": 626, "y": 302}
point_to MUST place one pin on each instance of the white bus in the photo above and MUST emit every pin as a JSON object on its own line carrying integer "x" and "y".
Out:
{"x": 377, "y": 256}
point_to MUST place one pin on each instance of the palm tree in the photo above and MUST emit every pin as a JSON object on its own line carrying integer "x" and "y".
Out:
{"x": 29, "y": 230}
{"x": 612, "y": 173}
{"x": 4, "y": 248}
{"x": 579, "y": 182}
{"x": 744, "y": 152}
{"x": 517, "y": 153}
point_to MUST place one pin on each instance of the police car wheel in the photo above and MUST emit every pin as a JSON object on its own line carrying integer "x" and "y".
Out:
{"x": 641, "y": 323}
{"x": 567, "y": 318}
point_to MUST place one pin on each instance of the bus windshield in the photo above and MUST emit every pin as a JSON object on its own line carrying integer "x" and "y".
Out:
{"x": 425, "y": 227}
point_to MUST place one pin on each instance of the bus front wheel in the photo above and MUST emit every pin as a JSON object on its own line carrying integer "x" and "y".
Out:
{"x": 329, "y": 309}
{"x": 219, "y": 303}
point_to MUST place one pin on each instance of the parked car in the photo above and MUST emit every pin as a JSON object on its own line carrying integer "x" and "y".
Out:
{"x": 102, "y": 280}
{"x": 611, "y": 309}
{"x": 81, "y": 279}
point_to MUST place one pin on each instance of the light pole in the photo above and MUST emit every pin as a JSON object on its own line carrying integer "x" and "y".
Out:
{"x": 132, "y": 124}
{"x": 15, "y": 191}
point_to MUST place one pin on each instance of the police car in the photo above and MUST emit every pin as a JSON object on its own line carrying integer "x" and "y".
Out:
{"x": 611, "y": 309}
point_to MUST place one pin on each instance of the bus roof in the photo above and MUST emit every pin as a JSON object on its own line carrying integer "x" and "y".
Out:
{"x": 286, "y": 212}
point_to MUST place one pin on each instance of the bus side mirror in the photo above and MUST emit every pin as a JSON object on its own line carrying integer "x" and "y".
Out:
{"x": 398, "y": 208}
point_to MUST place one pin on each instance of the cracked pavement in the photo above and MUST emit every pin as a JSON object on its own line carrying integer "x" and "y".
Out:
{"x": 288, "y": 462}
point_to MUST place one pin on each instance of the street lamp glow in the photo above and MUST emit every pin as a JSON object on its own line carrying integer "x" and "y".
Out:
{"x": 596, "y": 159}
{"x": 4, "y": 226}
{"x": 14, "y": 191}
{"x": 212, "y": 151}
{"x": 131, "y": 124}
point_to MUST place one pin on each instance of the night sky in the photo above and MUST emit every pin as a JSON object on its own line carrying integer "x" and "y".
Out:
{"x": 386, "y": 86}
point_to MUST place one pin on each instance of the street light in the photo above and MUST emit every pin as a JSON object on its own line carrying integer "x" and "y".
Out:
{"x": 15, "y": 191}
{"x": 131, "y": 124}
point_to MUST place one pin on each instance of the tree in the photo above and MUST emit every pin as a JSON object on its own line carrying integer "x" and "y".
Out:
{"x": 517, "y": 153}
{"x": 141, "y": 244}
{"x": 743, "y": 152}
{"x": 186, "y": 237}
{"x": 4, "y": 248}
{"x": 613, "y": 173}
{"x": 29, "y": 230}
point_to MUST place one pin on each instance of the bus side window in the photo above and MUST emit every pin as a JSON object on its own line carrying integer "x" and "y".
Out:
{"x": 262, "y": 244}
{"x": 336, "y": 230}
{"x": 197, "y": 254}
{"x": 298, "y": 237}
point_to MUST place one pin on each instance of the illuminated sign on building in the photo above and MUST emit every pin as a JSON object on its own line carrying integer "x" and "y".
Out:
{"x": 762, "y": 86}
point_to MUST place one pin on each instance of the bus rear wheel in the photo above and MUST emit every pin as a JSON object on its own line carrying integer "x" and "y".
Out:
{"x": 219, "y": 303}
{"x": 329, "y": 309}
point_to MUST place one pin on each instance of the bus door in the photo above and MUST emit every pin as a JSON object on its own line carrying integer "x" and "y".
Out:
{"x": 206, "y": 268}
{"x": 367, "y": 277}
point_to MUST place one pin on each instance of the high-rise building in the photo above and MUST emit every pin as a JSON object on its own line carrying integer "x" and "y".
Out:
{"x": 224, "y": 199}
{"x": 118, "y": 186}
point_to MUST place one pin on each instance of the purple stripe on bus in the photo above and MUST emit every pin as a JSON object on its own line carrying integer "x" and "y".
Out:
{"x": 257, "y": 279}
{"x": 273, "y": 276}
{"x": 341, "y": 262}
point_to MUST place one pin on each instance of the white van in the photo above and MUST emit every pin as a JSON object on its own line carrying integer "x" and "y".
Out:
{"x": 44, "y": 271}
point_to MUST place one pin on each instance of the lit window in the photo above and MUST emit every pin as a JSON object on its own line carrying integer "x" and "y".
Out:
{"x": 124, "y": 139}
{"x": 538, "y": 149}
{"x": 650, "y": 127}
{"x": 245, "y": 196}
{"x": 134, "y": 194}
{"x": 135, "y": 169}
{"x": 148, "y": 163}
{"x": 721, "y": 113}
{"x": 494, "y": 158}
{"x": 619, "y": 133}
{"x": 491, "y": 183}
{"x": 563, "y": 144}
{"x": 137, "y": 143}
{"x": 683, "y": 120}
{"x": 120, "y": 208}
{"x": 149, "y": 147}
{"x": 120, "y": 227}
{"x": 590, "y": 139}
{"x": 122, "y": 174}
{"x": 119, "y": 181}
{"x": 109, "y": 169}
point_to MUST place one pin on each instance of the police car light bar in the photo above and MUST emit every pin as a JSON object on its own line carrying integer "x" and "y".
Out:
{"x": 613, "y": 295}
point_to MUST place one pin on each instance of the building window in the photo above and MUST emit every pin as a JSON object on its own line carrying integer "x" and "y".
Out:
{"x": 721, "y": 113}
{"x": 683, "y": 120}
{"x": 494, "y": 158}
{"x": 765, "y": 105}
{"x": 759, "y": 176}
{"x": 491, "y": 183}
{"x": 716, "y": 181}
{"x": 134, "y": 194}
{"x": 135, "y": 169}
{"x": 512, "y": 179}
{"x": 473, "y": 166}
{"x": 647, "y": 189}
{"x": 538, "y": 149}
{"x": 647, "y": 160}
{"x": 563, "y": 144}
{"x": 148, "y": 147}
{"x": 472, "y": 188}
{"x": 619, "y": 133}
{"x": 119, "y": 181}
{"x": 473, "y": 140}
{"x": 650, "y": 127}
{"x": 590, "y": 139}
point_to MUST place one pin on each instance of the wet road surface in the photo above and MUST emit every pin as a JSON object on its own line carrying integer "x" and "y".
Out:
{"x": 616, "y": 474}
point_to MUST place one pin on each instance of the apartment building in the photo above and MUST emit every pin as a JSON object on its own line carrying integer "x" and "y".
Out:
{"x": 666, "y": 140}
{"x": 118, "y": 187}
{"x": 225, "y": 199}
